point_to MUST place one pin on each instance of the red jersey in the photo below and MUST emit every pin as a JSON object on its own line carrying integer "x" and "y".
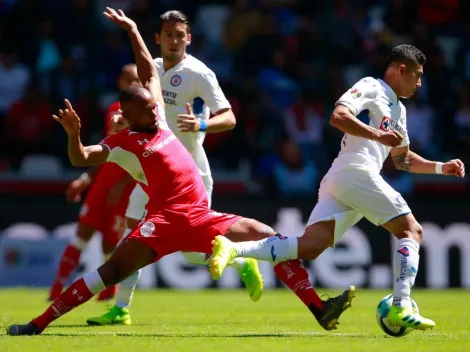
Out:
{"x": 162, "y": 166}
{"x": 110, "y": 174}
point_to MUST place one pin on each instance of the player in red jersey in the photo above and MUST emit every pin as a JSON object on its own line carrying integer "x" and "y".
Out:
{"x": 105, "y": 205}
{"x": 177, "y": 216}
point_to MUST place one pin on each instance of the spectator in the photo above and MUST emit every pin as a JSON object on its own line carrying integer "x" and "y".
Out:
{"x": 292, "y": 174}
{"x": 28, "y": 125}
{"x": 304, "y": 124}
{"x": 14, "y": 78}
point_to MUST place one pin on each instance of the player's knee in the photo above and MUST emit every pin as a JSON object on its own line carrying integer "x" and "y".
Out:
{"x": 113, "y": 272}
{"x": 416, "y": 231}
{"x": 108, "y": 247}
{"x": 249, "y": 230}
{"x": 259, "y": 230}
{"x": 84, "y": 232}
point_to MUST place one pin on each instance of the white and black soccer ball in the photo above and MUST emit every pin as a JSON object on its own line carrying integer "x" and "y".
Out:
{"x": 382, "y": 312}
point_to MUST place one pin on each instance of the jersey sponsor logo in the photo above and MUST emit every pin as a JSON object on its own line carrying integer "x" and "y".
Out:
{"x": 404, "y": 251}
{"x": 169, "y": 97}
{"x": 155, "y": 148}
{"x": 175, "y": 80}
{"x": 147, "y": 229}
{"x": 386, "y": 123}
{"x": 355, "y": 93}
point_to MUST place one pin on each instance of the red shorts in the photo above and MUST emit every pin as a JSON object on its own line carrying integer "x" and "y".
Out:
{"x": 169, "y": 231}
{"x": 109, "y": 220}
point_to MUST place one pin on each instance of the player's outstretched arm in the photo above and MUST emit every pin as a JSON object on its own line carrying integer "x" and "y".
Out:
{"x": 224, "y": 120}
{"x": 207, "y": 87}
{"x": 79, "y": 154}
{"x": 146, "y": 69}
{"x": 345, "y": 121}
{"x": 406, "y": 160}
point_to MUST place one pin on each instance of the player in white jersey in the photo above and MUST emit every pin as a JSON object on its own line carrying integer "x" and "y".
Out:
{"x": 190, "y": 92}
{"x": 353, "y": 187}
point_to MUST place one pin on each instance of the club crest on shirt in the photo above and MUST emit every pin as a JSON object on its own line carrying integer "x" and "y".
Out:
{"x": 175, "y": 80}
{"x": 386, "y": 123}
{"x": 355, "y": 93}
{"x": 147, "y": 229}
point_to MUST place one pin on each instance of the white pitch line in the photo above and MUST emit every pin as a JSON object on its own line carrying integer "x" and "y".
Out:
{"x": 184, "y": 334}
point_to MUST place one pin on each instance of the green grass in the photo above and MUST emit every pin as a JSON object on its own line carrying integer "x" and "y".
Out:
{"x": 227, "y": 321}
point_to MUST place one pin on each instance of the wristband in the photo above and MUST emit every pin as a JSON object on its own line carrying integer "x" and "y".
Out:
{"x": 85, "y": 177}
{"x": 203, "y": 125}
{"x": 439, "y": 168}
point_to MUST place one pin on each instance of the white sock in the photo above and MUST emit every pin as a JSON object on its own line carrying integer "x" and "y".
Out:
{"x": 93, "y": 282}
{"x": 77, "y": 242}
{"x": 405, "y": 268}
{"x": 126, "y": 290}
{"x": 204, "y": 259}
{"x": 273, "y": 249}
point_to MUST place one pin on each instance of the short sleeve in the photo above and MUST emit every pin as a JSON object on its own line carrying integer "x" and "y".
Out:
{"x": 208, "y": 89}
{"x": 361, "y": 96}
{"x": 404, "y": 129}
{"x": 111, "y": 142}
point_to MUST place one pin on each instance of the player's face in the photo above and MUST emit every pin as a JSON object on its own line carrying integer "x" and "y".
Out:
{"x": 141, "y": 115}
{"x": 411, "y": 80}
{"x": 173, "y": 40}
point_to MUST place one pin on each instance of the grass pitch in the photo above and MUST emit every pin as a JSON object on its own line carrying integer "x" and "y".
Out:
{"x": 225, "y": 321}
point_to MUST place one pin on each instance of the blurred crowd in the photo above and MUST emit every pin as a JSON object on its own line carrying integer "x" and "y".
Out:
{"x": 281, "y": 63}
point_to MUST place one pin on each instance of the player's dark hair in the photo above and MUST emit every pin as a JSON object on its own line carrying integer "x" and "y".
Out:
{"x": 406, "y": 54}
{"x": 174, "y": 16}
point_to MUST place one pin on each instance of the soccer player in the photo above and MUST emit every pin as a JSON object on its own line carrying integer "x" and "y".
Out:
{"x": 353, "y": 187}
{"x": 184, "y": 80}
{"x": 178, "y": 216}
{"x": 105, "y": 204}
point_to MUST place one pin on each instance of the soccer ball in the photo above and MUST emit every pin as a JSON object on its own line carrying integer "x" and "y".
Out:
{"x": 382, "y": 312}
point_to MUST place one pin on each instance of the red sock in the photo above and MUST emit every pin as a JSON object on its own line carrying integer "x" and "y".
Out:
{"x": 107, "y": 293}
{"x": 77, "y": 294}
{"x": 68, "y": 262}
{"x": 293, "y": 274}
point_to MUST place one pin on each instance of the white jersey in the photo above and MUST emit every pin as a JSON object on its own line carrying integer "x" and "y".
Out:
{"x": 376, "y": 104}
{"x": 191, "y": 81}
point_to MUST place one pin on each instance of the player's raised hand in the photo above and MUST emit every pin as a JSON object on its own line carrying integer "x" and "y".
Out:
{"x": 68, "y": 118}
{"x": 118, "y": 122}
{"x": 188, "y": 122}
{"x": 75, "y": 190}
{"x": 454, "y": 167}
{"x": 390, "y": 138}
{"x": 120, "y": 18}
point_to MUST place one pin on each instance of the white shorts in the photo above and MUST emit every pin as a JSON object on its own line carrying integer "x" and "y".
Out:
{"x": 348, "y": 195}
{"x": 139, "y": 199}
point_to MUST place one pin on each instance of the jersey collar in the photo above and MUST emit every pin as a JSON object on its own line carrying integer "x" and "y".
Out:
{"x": 389, "y": 91}
{"x": 177, "y": 65}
